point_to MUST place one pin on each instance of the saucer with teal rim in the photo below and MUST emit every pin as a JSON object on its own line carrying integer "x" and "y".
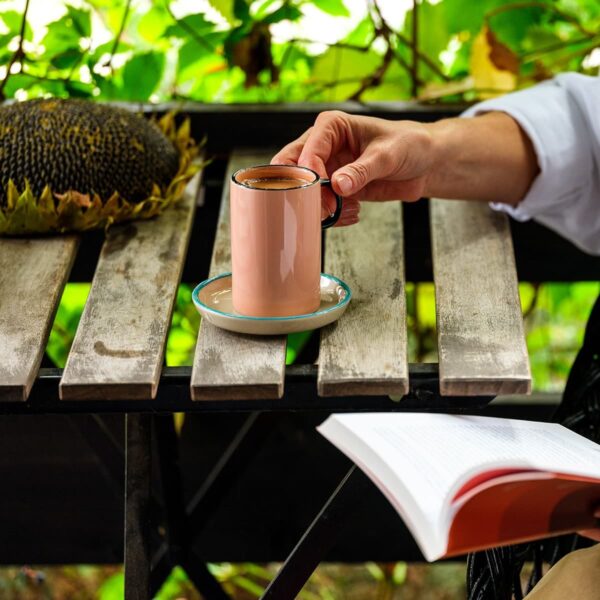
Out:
{"x": 213, "y": 299}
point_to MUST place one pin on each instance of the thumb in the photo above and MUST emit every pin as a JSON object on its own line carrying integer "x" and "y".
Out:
{"x": 351, "y": 178}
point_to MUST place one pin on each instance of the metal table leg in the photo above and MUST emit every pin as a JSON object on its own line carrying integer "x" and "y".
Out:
{"x": 138, "y": 483}
{"x": 234, "y": 460}
{"x": 177, "y": 532}
{"x": 319, "y": 538}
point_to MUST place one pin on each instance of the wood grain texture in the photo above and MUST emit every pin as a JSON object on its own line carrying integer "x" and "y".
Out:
{"x": 228, "y": 365}
{"x": 33, "y": 273}
{"x": 365, "y": 351}
{"x": 481, "y": 341}
{"x": 119, "y": 345}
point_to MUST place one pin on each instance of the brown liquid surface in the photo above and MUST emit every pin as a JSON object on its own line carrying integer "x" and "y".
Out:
{"x": 275, "y": 183}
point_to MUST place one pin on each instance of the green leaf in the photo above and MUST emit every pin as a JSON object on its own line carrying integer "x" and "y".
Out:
{"x": 197, "y": 23}
{"x": 332, "y": 7}
{"x": 181, "y": 341}
{"x": 107, "y": 48}
{"x": 456, "y": 17}
{"x": 153, "y": 24}
{"x": 241, "y": 9}
{"x": 295, "y": 345}
{"x": 17, "y": 82}
{"x": 375, "y": 571}
{"x": 426, "y": 304}
{"x": 142, "y": 74}
{"x": 395, "y": 85}
{"x": 225, "y": 8}
{"x": 113, "y": 588}
{"x": 399, "y": 574}
{"x": 80, "y": 20}
{"x": 60, "y": 37}
{"x": 287, "y": 12}
{"x": 12, "y": 19}
{"x": 511, "y": 27}
{"x": 66, "y": 60}
{"x": 191, "y": 54}
{"x": 263, "y": 9}
{"x": 5, "y": 39}
{"x": 362, "y": 33}
{"x": 348, "y": 67}
{"x": 77, "y": 89}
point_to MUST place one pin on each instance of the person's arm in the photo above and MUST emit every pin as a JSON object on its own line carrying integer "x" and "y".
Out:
{"x": 534, "y": 154}
{"x": 374, "y": 159}
{"x": 487, "y": 158}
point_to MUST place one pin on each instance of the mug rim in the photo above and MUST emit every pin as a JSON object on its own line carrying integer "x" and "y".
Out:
{"x": 297, "y": 187}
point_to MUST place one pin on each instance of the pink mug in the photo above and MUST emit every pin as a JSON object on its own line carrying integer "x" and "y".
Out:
{"x": 276, "y": 240}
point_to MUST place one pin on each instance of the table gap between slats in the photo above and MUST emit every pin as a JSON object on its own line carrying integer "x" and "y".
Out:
{"x": 231, "y": 366}
{"x": 481, "y": 340}
{"x": 118, "y": 350}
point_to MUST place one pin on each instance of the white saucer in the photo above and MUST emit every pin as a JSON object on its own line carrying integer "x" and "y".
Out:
{"x": 213, "y": 300}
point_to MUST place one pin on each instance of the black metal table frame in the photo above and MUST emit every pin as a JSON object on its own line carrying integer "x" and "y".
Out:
{"x": 159, "y": 528}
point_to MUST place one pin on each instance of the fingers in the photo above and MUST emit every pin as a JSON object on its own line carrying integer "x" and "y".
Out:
{"x": 376, "y": 163}
{"x": 407, "y": 191}
{"x": 328, "y": 135}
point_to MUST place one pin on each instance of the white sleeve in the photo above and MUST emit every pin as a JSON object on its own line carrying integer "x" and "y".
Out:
{"x": 562, "y": 119}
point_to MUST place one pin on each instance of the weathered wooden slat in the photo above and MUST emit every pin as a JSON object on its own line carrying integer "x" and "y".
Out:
{"x": 481, "y": 341}
{"x": 365, "y": 351}
{"x": 119, "y": 345}
{"x": 229, "y": 365}
{"x": 33, "y": 273}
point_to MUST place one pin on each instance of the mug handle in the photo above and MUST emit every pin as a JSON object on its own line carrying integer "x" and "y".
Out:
{"x": 332, "y": 219}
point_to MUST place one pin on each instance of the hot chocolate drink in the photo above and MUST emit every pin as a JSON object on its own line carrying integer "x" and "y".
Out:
{"x": 275, "y": 183}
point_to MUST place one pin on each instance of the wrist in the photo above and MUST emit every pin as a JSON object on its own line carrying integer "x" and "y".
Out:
{"x": 445, "y": 145}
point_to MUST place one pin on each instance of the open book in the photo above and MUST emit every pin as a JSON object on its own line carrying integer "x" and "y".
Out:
{"x": 465, "y": 483}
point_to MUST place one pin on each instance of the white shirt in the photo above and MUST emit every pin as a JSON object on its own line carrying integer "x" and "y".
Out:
{"x": 562, "y": 119}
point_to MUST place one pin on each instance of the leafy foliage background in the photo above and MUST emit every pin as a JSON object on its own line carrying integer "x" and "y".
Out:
{"x": 291, "y": 50}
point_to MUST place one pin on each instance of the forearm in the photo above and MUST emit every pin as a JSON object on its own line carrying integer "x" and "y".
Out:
{"x": 486, "y": 158}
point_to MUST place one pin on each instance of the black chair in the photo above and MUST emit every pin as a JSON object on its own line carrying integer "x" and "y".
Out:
{"x": 496, "y": 574}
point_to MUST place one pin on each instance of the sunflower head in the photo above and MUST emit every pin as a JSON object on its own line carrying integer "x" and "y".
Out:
{"x": 73, "y": 165}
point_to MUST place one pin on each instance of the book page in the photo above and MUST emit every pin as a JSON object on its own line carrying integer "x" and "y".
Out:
{"x": 431, "y": 456}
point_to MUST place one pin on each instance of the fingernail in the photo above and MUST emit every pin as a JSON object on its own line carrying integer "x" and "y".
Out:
{"x": 344, "y": 183}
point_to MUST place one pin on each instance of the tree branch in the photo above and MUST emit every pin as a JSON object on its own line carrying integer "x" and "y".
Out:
{"x": 19, "y": 53}
{"x": 198, "y": 38}
{"x": 386, "y": 31}
{"x": 375, "y": 78}
{"x": 414, "y": 71}
{"x": 334, "y": 44}
{"x": 331, "y": 84}
{"x": 115, "y": 45}
{"x": 532, "y": 55}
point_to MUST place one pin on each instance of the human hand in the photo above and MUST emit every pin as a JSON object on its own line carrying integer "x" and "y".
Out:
{"x": 365, "y": 157}
{"x": 488, "y": 158}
